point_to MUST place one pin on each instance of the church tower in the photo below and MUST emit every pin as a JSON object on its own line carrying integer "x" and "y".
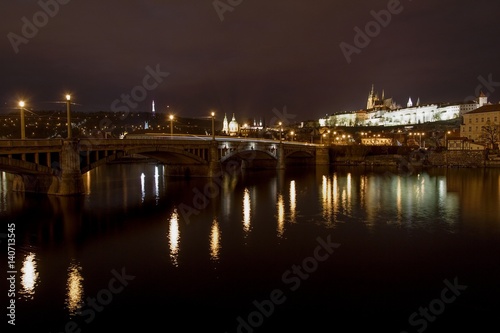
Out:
{"x": 483, "y": 99}
{"x": 371, "y": 99}
{"x": 410, "y": 103}
{"x": 225, "y": 125}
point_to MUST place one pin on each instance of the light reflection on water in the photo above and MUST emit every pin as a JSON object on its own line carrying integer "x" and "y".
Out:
{"x": 293, "y": 202}
{"x": 130, "y": 210}
{"x": 29, "y": 277}
{"x": 215, "y": 237}
{"x": 247, "y": 210}
{"x": 74, "y": 289}
{"x": 338, "y": 195}
{"x": 3, "y": 191}
{"x": 280, "y": 206}
{"x": 174, "y": 237}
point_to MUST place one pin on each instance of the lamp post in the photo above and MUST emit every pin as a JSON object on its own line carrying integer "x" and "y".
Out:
{"x": 281, "y": 130}
{"x": 446, "y": 138}
{"x": 292, "y": 133}
{"x": 171, "y": 117}
{"x": 68, "y": 114}
{"x": 23, "y": 129}
{"x": 213, "y": 126}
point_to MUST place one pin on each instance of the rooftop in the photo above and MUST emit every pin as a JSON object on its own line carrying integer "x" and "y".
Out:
{"x": 486, "y": 108}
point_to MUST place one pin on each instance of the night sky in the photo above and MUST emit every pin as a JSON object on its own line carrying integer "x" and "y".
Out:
{"x": 263, "y": 55}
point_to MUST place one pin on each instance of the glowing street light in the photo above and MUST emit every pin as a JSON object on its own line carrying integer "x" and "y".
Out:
{"x": 446, "y": 138}
{"x": 292, "y": 133}
{"x": 23, "y": 129}
{"x": 68, "y": 114}
{"x": 213, "y": 125}
{"x": 171, "y": 117}
{"x": 281, "y": 130}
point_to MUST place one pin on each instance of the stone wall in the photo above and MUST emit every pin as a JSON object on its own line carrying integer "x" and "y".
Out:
{"x": 458, "y": 158}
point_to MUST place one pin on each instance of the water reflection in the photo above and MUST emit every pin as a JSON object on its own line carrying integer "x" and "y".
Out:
{"x": 280, "y": 206}
{"x": 293, "y": 202}
{"x": 246, "y": 210}
{"x": 157, "y": 185}
{"x": 329, "y": 198}
{"x": 386, "y": 198}
{"x": 3, "y": 191}
{"x": 87, "y": 180}
{"x": 74, "y": 289}
{"x": 215, "y": 240}
{"x": 348, "y": 193}
{"x": 399, "y": 206}
{"x": 29, "y": 277}
{"x": 143, "y": 187}
{"x": 174, "y": 237}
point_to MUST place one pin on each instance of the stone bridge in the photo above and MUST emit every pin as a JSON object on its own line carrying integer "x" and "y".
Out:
{"x": 55, "y": 166}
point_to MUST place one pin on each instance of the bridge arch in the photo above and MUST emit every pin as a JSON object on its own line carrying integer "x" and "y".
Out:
{"x": 248, "y": 154}
{"x": 251, "y": 159}
{"x": 299, "y": 154}
{"x": 168, "y": 154}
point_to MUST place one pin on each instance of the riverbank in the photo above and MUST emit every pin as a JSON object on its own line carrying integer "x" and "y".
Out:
{"x": 405, "y": 156}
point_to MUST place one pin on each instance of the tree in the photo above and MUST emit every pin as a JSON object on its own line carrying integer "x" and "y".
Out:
{"x": 490, "y": 134}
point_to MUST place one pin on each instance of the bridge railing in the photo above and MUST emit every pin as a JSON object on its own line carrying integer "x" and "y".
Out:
{"x": 31, "y": 143}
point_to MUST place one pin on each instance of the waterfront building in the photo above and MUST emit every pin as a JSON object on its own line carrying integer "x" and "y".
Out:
{"x": 462, "y": 143}
{"x": 482, "y": 125}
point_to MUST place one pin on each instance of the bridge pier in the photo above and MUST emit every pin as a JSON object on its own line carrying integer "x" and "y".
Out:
{"x": 214, "y": 166}
{"x": 280, "y": 154}
{"x": 70, "y": 182}
{"x": 322, "y": 156}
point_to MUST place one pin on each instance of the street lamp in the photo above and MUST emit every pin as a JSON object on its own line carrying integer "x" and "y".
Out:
{"x": 446, "y": 138}
{"x": 281, "y": 130}
{"x": 322, "y": 137}
{"x": 171, "y": 117}
{"x": 21, "y": 106}
{"x": 213, "y": 125}
{"x": 68, "y": 114}
{"x": 292, "y": 134}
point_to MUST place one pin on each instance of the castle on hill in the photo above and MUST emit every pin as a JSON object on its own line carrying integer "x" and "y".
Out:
{"x": 382, "y": 111}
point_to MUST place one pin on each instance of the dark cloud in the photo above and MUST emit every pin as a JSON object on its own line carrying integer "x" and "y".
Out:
{"x": 264, "y": 55}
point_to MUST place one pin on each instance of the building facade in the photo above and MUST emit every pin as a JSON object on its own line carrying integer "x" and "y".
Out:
{"x": 482, "y": 125}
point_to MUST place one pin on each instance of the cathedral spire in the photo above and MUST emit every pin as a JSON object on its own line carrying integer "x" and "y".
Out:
{"x": 370, "y": 103}
{"x": 410, "y": 103}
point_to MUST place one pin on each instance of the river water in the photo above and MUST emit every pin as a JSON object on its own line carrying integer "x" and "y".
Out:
{"x": 334, "y": 249}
